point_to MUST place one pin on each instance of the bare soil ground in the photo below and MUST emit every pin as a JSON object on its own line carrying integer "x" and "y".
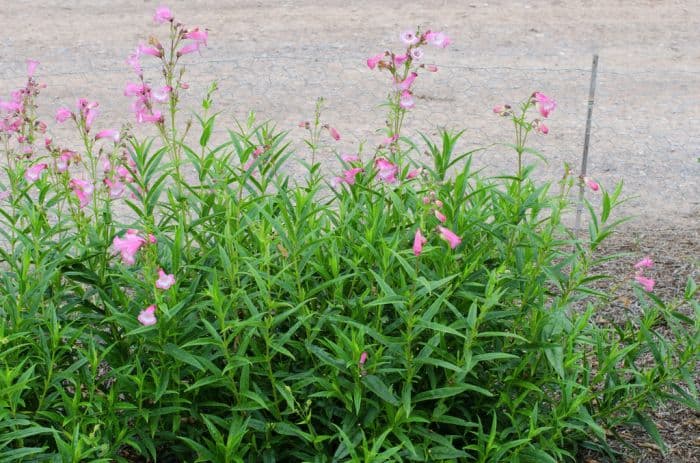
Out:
{"x": 277, "y": 57}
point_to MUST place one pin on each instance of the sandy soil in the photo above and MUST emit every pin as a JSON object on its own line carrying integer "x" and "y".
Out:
{"x": 277, "y": 57}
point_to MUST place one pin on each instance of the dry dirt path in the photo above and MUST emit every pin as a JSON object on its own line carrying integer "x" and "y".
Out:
{"x": 277, "y": 57}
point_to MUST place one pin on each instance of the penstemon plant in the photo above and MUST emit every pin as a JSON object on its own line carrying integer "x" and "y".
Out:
{"x": 194, "y": 304}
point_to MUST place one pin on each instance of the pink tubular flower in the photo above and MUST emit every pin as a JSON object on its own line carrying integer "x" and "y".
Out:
{"x": 372, "y": 62}
{"x": 416, "y": 54}
{"x": 350, "y": 158}
{"x": 88, "y": 110}
{"x": 165, "y": 281}
{"x": 414, "y": 173}
{"x": 363, "y": 358}
{"x": 147, "y": 316}
{"x": 64, "y": 160}
{"x": 197, "y": 35}
{"x": 644, "y": 263}
{"x": 431, "y": 68}
{"x": 148, "y": 50}
{"x": 128, "y": 246}
{"x": 351, "y": 174}
{"x": 334, "y": 133}
{"x": 63, "y": 114}
{"x": 162, "y": 95}
{"x": 108, "y": 133}
{"x": 541, "y": 128}
{"x": 440, "y": 216}
{"x": 592, "y": 184}
{"x": 406, "y": 100}
{"x": 349, "y": 177}
{"x": 406, "y": 83}
{"x": 134, "y": 61}
{"x": 418, "y": 241}
{"x": 449, "y": 236}
{"x": 544, "y": 104}
{"x": 116, "y": 188}
{"x": 387, "y": 170}
{"x": 646, "y": 283}
{"x": 33, "y": 173}
{"x": 438, "y": 39}
{"x": 83, "y": 190}
{"x": 163, "y": 14}
{"x": 400, "y": 59}
{"x": 389, "y": 140}
{"x": 187, "y": 49}
{"x": 409, "y": 37}
{"x": 31, "y": 67}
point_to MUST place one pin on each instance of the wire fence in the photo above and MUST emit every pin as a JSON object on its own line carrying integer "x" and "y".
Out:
{"x": 644, "y": 129}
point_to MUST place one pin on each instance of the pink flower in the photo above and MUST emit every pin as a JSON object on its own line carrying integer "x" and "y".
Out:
{"x": 124, "y": 174}
{"x": 406, "y": 100}
{"x": 592, "y": 184}
{"x": 83, "y": 190}
{"x": 128, "y": 246}
{"x": 187, "y": 49}
{"x": 387, "y": 170}
{"x": 116, "y": 188}
{"x": 63, "y": 114}
{"x": 31, "y": 67}
{"x": 197, "y": 35}
{"x": 542, "y": 128}
{"x": 89, "y": 111}
{"x": 350, "y": 158}
{"x": 389, "y": 140}
{"x": 414, "y": 173}
{"x": 440, "y": 216}
{"x": 134, "y": 61}
{"x": 64, "y": 160}
{"x": 152, "y": 239}
{"x": 400, "y": 59}
{"x": 349, "y": 177}
{"x": 149, "y": 50}
{"x": 108, "y": 133}
{"x": 500, "y": 109}
{"x": 372, "y": 62}
{"x": 351, "y": 174}
{"x": 431, "y": 68}
{"x": 647, "y": 283}
{"x": 449, "y": 236}
{"x": 418, "y": 241}
{"x": 406, "y": 84}
{"x": 644, "y": 263}
{"x": 363, "y": 358}
{"x": 147, "y": 316}
{"x": 438, "y": 39}
{"x": 33, "y": 173}
{"x": 165, "y": 281}
{"x": 416, "y": 53}
{"x": 334, "y": 133}
{"x": 162, "y": 95}
{"x": 163, "y": 14}
{"x": 409, "y": 37}
{"x": 544, "y": 104}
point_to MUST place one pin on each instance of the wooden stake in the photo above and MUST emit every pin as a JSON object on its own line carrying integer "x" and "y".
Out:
{"x": 586, "y": 140}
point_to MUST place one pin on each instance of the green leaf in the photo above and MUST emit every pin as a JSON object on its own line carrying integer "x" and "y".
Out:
{"x": 183, "y": 356}
{"x": 651, "y": 429}
{"x": 376, "y": 385}
{"x": 450, "y": 391}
